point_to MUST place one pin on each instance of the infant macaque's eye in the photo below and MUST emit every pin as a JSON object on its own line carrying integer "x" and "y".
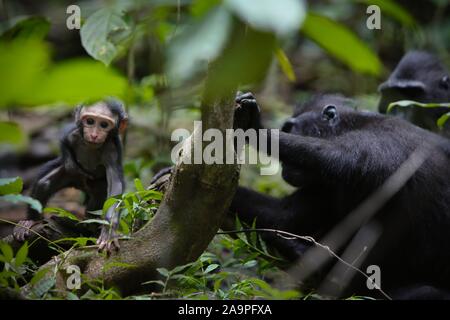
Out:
{"x": 90, "y": 121}
{"x": 104, "y": 125}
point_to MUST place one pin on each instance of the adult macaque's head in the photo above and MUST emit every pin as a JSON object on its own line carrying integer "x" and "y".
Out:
{"x": 100, "y": 119}
{"x": 419, "y": 76}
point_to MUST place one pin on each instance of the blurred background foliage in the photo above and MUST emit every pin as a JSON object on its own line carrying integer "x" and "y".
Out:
{"x": 154, "y": 55}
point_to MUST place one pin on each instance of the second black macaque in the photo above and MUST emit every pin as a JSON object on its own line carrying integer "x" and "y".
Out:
{"x": 337, "y": 157}
{"x": 91, "y": 161}
{"x": 421, "y": 77}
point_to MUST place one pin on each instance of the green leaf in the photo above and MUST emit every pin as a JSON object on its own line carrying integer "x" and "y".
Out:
{"x": 162, "y": 284}
{"x": 27, "y": 79}
{"x": 7, "y": 251}
{"x": 26, "y": 28}
{"x": 10, "y": 185}
{"x": 278, "y": 16}
{"x": 244, "y": 61}
{"x": 342, "y": 43}
{"x": 211, "y": 267}
{"x": 197, "y": 44}
{"x": 61, "y": 213}
{"x": 163, "y": 271}
{"x": 410, "y": 103}
{"x": 443, "y": 119}
{"x": 43, "y": 286}
{"x": 392, "y": 9}
{"x": 21, "y": 255}
{"x": 109, "y": 203}
{"x": 98, "y": 221}
{"x": 150, "y": 194}
{"x": 11, "y": 133}
{"x": 138, "y": 185}
{"x": 71, "y": 296}
{"x": 80, "y": 241}
{"x": 100, "y": 33}
{"x": 285, "y": 64}
{"x": 181, "y": 268}
{"x": 77, "y": 80}
{"x": 124, "y": 227}
{"x": 201, "y": 7}
{"x": 250, "y": 264}
{"x": 254, "y": 235}
{"x": 21, "y": 65}
{"x": 39, "y": 275}
{"x": 96, "y": 212}
{"x": 18, "y": 198}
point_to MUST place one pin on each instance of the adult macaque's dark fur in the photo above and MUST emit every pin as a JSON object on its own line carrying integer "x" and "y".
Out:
{"x": 421, "y": 77}
{"x": 337, "y": 157}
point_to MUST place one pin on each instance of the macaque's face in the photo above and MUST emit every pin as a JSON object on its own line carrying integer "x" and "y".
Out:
{"x": 97, "y": 122}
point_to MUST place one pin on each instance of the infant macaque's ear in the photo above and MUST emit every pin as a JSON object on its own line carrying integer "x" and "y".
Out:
{"x": 123, "y": 124}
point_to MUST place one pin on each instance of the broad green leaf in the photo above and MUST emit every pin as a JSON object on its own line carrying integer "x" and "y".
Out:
{"x": 138, "y": 185}
{"x": 342, "y": 43}
{"x": 250, "y": 264}
{"x": 124, "y": 227}
{"x": 285, "y": 64}
{"x": 392, "y": 9}
{"x": 21, "y": 66}
{"x": 102, "y": 32}
{"x": 197, "y": 44}
{"x": 26, "y": 28}
{"x": 21, "y": 255}
{"x": 150, "y": 194}
{"x": 77, "y": 80}
{"x": 244, "y": 61}
{"x": 181, "y": 268}
{"x": 278, "y": 16}
{"x": 27, "y": 79}
{"x": 11, "y": 133}
{"x": 163, "y": 271}
{"x": 18, "y": 198}
{"x": 109, "y": 203}
{"x": 211, "y": 267}
{"x": 443, "y": 119}
{"x": 10, "y": 185}
{"x": 43, "y": 286}
{"x": 7, "y": 251}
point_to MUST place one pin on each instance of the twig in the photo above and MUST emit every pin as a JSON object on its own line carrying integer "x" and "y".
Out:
{"x": 309, "y": 239}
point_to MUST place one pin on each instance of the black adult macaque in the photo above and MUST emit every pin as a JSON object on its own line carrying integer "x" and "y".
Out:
{"x": 91, "y": 161}
{"x": 337, "y": 157}
{"x": 421, "y": 77}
